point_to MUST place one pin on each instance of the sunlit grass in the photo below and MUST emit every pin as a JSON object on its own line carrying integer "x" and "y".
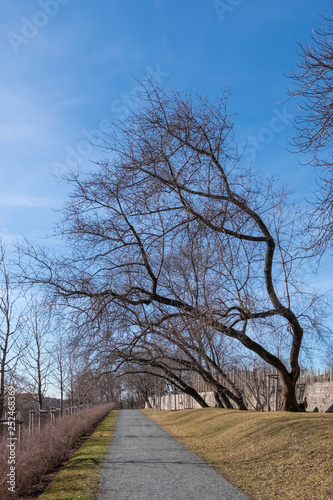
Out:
{"x": 79, "y": 478}
{"x": 275, "y": 455}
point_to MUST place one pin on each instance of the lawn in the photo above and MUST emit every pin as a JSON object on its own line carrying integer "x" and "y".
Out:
{"x": 79, "y": 478}
{"x": 274, "y": 455}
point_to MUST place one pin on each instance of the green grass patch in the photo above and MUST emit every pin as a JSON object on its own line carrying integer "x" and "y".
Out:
{"x": 275, "y": 455}
{"x": 79, "y": 478}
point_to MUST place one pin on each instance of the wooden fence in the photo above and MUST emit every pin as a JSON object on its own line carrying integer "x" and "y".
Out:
{"x": 312, "y": 376}
{"x": 261, "y": 388}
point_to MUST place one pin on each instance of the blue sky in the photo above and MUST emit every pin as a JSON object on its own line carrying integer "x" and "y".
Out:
{"x": 70, "y": 65}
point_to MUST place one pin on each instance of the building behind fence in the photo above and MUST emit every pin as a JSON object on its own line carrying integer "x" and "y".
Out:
{"x": 261, "y": 388}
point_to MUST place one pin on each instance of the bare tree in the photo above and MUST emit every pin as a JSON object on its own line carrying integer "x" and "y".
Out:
{"x": 64, "y": 367}
{"x": 169, "y": 370}
{"x": 60, "y": 362}
{"x": 37, "y": 358}
{"x": 108, "y": 388}
{"x": 75, "y": 369}
{"x": 177, "y": 348}
{"x": 111, "y": 347}
{"x": 142, "y": 385}
{"x": 312, "y": 86}
{"x": 174, "y": 225}
{"x": 11, "y": 324}
{"x": 61, "y": 374}
{"x": 193, "y": 347}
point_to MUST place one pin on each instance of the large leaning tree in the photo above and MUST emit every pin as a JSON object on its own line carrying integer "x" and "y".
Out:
{"x": 172, "y": 225}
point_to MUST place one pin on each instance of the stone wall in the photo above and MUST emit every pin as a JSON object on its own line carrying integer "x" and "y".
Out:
{"x": 180, "y": 401}
{"x": 319, "y": 394}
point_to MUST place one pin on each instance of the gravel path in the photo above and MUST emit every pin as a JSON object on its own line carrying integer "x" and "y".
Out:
{"x": 145, "y": 463}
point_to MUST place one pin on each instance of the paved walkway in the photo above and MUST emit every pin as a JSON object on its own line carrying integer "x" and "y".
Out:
{"x": 145, "y": 463}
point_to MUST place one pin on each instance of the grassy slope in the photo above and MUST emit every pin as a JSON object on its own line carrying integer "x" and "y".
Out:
{"x": 274, "y": 455}
{"x": 79, "y": 478}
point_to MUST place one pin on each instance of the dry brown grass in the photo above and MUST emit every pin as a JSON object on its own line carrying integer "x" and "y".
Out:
{"x": 269, "y": 455}
{"x": 46, "y": 450}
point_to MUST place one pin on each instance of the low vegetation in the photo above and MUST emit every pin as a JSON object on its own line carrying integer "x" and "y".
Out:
{"x": 268, "y": 455}
{"x": 45, "y": 451}
{"x": 79, "y": 479}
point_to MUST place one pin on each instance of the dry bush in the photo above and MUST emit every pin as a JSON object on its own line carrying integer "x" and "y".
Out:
{"x": 44, "y": 451}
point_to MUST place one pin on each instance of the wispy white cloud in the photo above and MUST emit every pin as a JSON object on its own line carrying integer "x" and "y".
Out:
{"x": 12, "y": 201}
{"x": 24, "y": 118}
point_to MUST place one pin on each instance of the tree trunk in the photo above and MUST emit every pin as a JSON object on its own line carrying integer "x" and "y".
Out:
{"x": 226, "y": 395}
{"x": 2, "y": 398}
{"x": 225, "y": 400}
{"x": 40, "y": 392}
{"x": 148, "y": 402}
{"x": 2, "y": 393}
{"x": 61, "y": 386}
{"x": 289, "y": 393}
{"x": 218, "y": 400}
{"x": 195, "y": 395}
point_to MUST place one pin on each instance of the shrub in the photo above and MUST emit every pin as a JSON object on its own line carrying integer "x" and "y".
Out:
{"x": 44, "y": 451}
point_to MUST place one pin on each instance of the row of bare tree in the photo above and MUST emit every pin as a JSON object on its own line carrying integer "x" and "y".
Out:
{"x": 35, "y": 356}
